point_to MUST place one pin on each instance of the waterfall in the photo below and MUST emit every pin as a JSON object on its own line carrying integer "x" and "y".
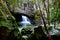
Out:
{"x": 25, "y": 21}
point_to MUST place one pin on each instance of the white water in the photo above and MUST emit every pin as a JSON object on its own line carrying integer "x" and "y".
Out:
{"x": 25, "y": 21}
{"x": 54, "y": 31}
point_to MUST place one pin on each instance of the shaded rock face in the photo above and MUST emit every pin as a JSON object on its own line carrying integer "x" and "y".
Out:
{"x": 26, "y": 8}
{"x": 27, "y": 11}
{"x": 40, "y": 21}
{"x": 18, "y": 17}
{"x": 38, "y": 34}
{"x": 39, "y": 31}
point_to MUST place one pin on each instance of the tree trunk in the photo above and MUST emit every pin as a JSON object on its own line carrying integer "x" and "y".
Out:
{"x": 47, "y": 10}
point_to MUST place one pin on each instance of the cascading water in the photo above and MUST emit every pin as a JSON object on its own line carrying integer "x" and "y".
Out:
{"x": 25, "y": 21}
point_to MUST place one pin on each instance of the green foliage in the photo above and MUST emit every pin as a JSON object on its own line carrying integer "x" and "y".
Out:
{"x": 54, "y": 10}
{"x": 12, "y": 25}
{"x": 12, "y": 2}
{"x": 15, "y": 3}
{"x": 53, "y": 15}
{"x": 37, "y": 15}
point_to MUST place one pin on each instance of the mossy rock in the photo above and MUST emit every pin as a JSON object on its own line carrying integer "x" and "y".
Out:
{"x": 38, "y": 34}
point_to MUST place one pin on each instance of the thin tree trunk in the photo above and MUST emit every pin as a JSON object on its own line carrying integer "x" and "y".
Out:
{"x": 47, "y": 11}
{"x": 42, "y": 17}
{"x": 49, "y": 36}
{"x": 48, "y": 16}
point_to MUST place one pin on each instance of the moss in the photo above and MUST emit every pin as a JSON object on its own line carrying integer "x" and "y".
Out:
{"x": 37, "y": 15}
